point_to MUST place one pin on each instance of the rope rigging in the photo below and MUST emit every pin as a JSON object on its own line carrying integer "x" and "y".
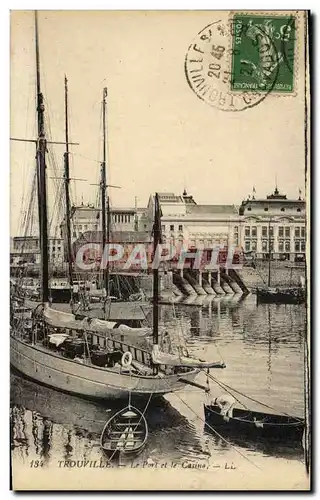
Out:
{"x": 230, "y": 390}
{"x": 216, "y": 432}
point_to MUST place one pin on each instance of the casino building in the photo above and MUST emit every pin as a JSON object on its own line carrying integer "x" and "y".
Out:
{"x": 199, "y": 226}
{"x": 257, "y": 225}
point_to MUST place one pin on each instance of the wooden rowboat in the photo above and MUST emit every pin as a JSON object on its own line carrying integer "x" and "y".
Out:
{"x": 255, "y": 424}
{"x": 126, "y": 432}
{"x": 292, "y": 295}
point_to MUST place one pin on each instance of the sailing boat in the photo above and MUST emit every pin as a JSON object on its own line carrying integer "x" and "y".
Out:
{"x": 73, "y": 355}
{"x": 110, "y": 307}
{"x": 286, "y": 295}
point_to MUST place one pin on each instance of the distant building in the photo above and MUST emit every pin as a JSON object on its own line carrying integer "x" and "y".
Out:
{"x": 56, "y": 250}
{"x": 83, "y": 218}
{"x": 26, "y": 250}
{"x": 275, "y": 221}
{"x": 86, "y": 221}
{"x": 205, "y": 226}
{"x": 257, "y": 225}
{"x": 127, "y": 239}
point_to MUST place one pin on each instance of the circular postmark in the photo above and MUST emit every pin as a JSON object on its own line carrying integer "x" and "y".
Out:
{"x": 287, "y": 48}
{"x": 232, "y": 64}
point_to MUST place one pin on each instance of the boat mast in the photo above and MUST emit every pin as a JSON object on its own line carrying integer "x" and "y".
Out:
{"x": 269, "y": 245}
{"x": 41, "y": 177}
{"x": 108, "y": 226}
{"x": 105, "y": 225}
{"x": 156, "y": 241}
{"x": 66, "y": 187}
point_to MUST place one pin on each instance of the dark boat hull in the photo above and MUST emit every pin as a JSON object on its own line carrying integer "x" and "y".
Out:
{"x": 255, "y": 424}
{"x": 281, "y": 296}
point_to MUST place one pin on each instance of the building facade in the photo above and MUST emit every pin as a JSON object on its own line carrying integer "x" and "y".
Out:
{"x": 86, "y": 218}
{"x": 26, "y": 250}
{"x": 273, "y": 224}
{"x": 259, "y": 226}
{"x": 197, "y": 226}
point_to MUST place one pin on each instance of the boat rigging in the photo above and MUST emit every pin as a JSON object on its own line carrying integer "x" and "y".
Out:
{"x": 82, "y": 355}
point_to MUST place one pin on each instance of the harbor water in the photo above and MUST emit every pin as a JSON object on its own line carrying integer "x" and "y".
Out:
{"x": 262, "y": 346}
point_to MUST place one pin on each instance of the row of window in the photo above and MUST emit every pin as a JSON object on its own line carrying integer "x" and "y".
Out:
{"x": 283, "y": 231}
{"x": 121, "y": 218}
{"x": 283, "y": 246}
{"x": 84, "y": 227}
{"x": 172, "y": 227}
{"x": 32, "y": 245}
{"x": 266, "y": 209}
{"x": 27, "y": 245}
{"x": 54, "y": 248}
{"x": 191, "y": 243}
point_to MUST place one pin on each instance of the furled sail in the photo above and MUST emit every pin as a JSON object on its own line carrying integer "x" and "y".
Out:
{"x": 59, "y": 319}
{"x": 100, "y": 326}
{"x": 163, "y": 358}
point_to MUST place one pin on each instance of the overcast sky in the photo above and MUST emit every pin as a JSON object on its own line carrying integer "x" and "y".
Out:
{"x": 161, "y": 136}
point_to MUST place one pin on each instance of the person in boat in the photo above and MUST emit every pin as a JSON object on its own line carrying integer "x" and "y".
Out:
{"x": 226, "y": 403}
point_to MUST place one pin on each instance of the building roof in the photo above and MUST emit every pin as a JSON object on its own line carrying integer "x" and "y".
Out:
{"x": 116, "y": 236}
{"x": 212, "y": 209}
{"x": 88, "y": 211}
{"x": 188, "y": 198}
{"x": 84, "y": 212}
{"x": 25, "y": 238}
{"x": 272, "y": 199}
{"x": 115, "y": 210}
{"x": 169, "y": 198}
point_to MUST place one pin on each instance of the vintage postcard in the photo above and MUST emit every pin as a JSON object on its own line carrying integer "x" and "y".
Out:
{"x": 159, "y": 260}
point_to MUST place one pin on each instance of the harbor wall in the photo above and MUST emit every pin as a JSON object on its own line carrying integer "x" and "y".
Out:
{"x": 191, "y": 282}
{"x": 282, "y": 274}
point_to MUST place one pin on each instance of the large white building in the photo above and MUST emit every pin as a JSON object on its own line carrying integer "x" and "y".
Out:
{"x": 184, "y": 221}
{"x": 253, "y": 226}
{"x": 273, "y": 222}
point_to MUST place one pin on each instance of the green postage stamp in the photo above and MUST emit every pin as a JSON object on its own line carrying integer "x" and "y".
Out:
{"x": 263, "y": 53}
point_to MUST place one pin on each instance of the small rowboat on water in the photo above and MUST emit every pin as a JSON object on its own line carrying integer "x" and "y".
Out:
{"x": 253, "y": 423}
{"x": 291, "y": 295}
{"x": 125, "y": 432}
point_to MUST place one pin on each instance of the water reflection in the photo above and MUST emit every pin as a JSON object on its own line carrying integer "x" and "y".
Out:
{"x": 225, "y": 438}
{"x": 48, "y": 423}
{"x": 262, "y": 346}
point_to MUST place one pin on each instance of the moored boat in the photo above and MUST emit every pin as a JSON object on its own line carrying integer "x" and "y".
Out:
{"x": 254, "y": 424}
{"x": 292, "y": 295}
{"x": 77, "y": 354}
{"x": 125, "y": 433}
